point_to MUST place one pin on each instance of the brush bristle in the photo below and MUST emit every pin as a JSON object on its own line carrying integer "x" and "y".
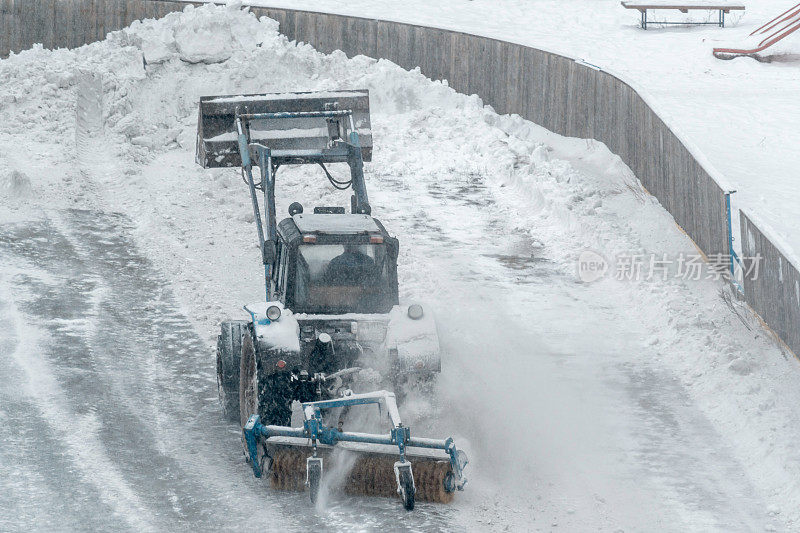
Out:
{"x": 372, "y": 474}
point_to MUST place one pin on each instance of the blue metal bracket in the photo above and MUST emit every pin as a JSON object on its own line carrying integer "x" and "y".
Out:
{"x": 258, "y": 321}
{"x": 251, "y": 439}
{"x": 734, "y": 258}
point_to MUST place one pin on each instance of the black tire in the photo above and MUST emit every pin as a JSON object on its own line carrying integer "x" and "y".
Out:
{"x": 248, "y": 379}
{"x": 267, "y": 395}
{"x": 229, "y": 349}
{"x": 407, "y": 490}
{"x": 314, "y": 479}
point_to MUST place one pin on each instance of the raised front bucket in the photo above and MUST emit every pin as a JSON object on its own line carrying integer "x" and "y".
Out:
{"x": 216, "y": 126}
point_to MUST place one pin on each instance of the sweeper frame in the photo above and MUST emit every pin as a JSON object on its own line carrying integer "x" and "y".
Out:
{"x": 400, "y": 436}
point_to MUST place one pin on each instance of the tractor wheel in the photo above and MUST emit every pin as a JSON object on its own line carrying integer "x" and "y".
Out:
{"x": 314, "y": 479}
{"x": 407, "y": 490}
{"x": 229, "y": 349}
{"x": 267, "y": 395}
{"x": 248, "y": 379}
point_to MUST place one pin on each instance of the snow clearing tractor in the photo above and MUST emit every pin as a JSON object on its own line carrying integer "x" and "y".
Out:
{"x": 331, "y": 309}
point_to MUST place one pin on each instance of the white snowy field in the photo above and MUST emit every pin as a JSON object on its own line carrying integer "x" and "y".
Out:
{"x": 632, "y": 405}
{"x": 741, "y": 114}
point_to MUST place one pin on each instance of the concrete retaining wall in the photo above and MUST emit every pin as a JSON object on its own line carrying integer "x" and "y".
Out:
{"x": 557, "y": 92}
{"x": 773, "y": 290}
{"x": 70, "y": 23}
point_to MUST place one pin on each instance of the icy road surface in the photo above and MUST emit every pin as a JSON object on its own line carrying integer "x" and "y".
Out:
{"x": 617, "y": 405}
{"x": 110, "y": 416}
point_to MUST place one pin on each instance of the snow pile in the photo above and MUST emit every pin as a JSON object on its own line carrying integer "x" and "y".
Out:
{"x": 152, "y": 86}
{"x": 15, "y": 184}
{"x": 199, "y": 39}
{"x": 492, "y": 213}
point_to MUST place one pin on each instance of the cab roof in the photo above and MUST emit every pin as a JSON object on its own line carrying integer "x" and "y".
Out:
{"x": 338, "y": 224}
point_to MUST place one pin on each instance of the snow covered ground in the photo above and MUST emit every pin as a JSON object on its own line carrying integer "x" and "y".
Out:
{"x": 615, "y": 405}
{"x": 741, "y": 114}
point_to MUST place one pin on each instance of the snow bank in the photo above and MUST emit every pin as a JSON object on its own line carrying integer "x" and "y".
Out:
{"x": 15, "y": 185}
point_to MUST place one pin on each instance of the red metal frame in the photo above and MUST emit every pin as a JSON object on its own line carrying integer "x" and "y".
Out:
{"x": 764, "y": 27}
{"x": 787, "y": 23}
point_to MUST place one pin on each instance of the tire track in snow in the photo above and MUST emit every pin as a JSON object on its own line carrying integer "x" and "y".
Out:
{"x": 76, "y": 383}
{"x": 77, "y": 432}
{"x": 36, "y": 470}
{"x": 152, "y": 381}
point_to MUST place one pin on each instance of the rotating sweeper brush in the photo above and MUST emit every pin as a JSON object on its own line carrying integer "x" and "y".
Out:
{"x": 383, "y": 464}
{"x": 331, "y": 307}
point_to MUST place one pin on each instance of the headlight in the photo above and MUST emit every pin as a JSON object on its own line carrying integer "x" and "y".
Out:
{"x": 273, "y": 312}
{"x": 415, "y": 311}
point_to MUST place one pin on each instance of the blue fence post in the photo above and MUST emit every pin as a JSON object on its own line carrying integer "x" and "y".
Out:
{"x": 733, "y": 257}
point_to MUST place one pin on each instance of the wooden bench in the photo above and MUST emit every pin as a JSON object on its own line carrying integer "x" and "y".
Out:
{"x": 684, "y": 7}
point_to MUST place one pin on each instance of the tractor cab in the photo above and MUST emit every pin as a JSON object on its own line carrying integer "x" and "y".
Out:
{"x": 335, "y": 263}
